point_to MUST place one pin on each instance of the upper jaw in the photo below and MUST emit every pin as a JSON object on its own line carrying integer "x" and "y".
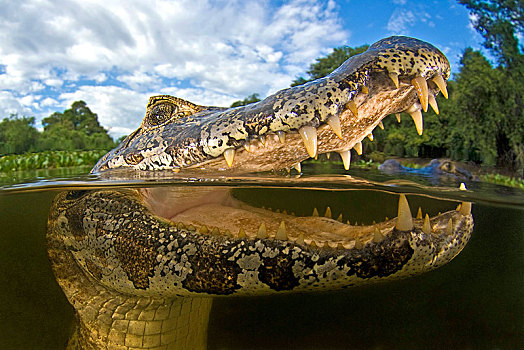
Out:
{"x": 334, "y": 113}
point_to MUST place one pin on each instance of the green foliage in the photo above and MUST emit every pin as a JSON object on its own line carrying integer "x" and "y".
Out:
{"x": 17, "y": 135}
{"x": 50, "y": 159}
{"x": 325, "y": 65}
{"x": 250, "y": 99}
{"x": 500, "y": 23}
{"x": 76, "y": 128}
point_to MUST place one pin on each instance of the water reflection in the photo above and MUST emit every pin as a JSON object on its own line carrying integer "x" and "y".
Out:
{"x": 141, "y": 266}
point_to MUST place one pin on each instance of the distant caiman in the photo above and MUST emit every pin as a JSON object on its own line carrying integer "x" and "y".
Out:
{"x": 140, "y": 266}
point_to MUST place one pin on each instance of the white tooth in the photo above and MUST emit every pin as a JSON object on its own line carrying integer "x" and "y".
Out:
{"x": 328, "y": 213}
{"x": 377, "y": 235}
{"x": 462, "y": 187}
{"x": 262, "y": 232}
{"x": 309, "y": 136}
{"x": 404, "y": 218}
{"x": 365, "y": 89}
{"x": 394, "y": 77}
{"x": 426, "y": 227}
{"x": 315, "y": 212}
{"x": 381, "y": 125}
{"x": 419, "y": 213}
{"x": 281, "y": 136}
{"x": 441, "y": 83}
{"x": 281, "y": 232}
{"x": 353, "y": 108}
{"x": 241, "y": 233}
{"x": 370, "y": 136}
{"x": 300, "y": 239}
{"x": 465, "y": 208}
{"x": 398, "y": 117}
{"x": 262, "y": 140}
{"x": 358, "y": 148}
{"x": 229, "y": 155}
{"x": 358, "y": 244}
{"x": 417, "y": 118}
{"x": 334, "y": 123}
{"x": 328, "y": 155}
{"x": 421, "y": 85}
{"x": 449, "y": 228}
{"x": 346, "y": 158}
{"x": 246, "y": 146}
{"x": 433, "y": 102}
{"x": 298, "y": 167}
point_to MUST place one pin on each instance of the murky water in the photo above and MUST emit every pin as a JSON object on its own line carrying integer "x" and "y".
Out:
{"x": 474, "y": 302}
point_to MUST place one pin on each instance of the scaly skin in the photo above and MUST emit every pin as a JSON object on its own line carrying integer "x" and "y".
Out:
{"x": 141, "y": 266}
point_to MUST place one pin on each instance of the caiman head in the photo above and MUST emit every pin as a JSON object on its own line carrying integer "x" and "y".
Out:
{"x": 194, "y": 241}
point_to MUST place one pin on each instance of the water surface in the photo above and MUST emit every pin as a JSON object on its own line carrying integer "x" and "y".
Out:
{"x": 474, "y": 302}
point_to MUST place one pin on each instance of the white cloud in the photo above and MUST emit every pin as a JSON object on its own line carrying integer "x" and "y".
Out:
{"x": 218, "y": 50}
{"x": 400, "y": 21}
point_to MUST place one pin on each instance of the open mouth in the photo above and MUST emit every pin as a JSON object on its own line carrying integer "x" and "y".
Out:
{"x": 215, "y": 212}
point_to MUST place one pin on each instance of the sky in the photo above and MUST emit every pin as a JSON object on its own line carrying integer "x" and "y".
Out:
{"x": 115, "y": 54}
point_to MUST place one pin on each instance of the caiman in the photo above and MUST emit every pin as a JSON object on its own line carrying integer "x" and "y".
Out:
{"x": 141, "y": 266}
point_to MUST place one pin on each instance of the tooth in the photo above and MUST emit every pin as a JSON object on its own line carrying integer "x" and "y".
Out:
{"x": 262, "y": 140}
{"x": 449, "y": 228}
{"x": 433, "y": 102}
{"x": 328, "y": 213}
{"x": 398, "y": 117}
{"x": 458, "y": 207}
{"x": 314, "y": 244}
{"x": 334, "y": 123}
{"x": 284, "y": 212}
{"x": 203, "y": 230}
{"x": 247, "y": 146}
{"x": 328, "y": 155}
{"x": 394, "y": 77}
{"x": 358, "y": 148}
{"x": 419, "y": 123}
{"x": 346, "y": 158}
{"x": 353, "y": 108}
{"x": 465, "y": 208}
{"x": 419, "y": 213}
{"x": 281, "y": 232}
{"x": 215, "y": 231}
{"x": 404, "y": 219}
{"x": 315, "y": 212}
{"x": 300, "y": 239}
{"x": 339, "y": 219}
{"x": 277, "y": 211}
{"x": 191, "y": 228}
{"x": 370, "y": 136}
{"x": 441, "y": 83}
{"x": 377, "y": 235}
{"x": 281, "y": 136}
{"x": 298, "y": 167}
{"x": 309, "y": 136}
{"x": 365, "y": 89}
{"x": 426, "y": 227}
{"x": 422, "y": 90}
{"x": 241, "y": 233}
{"x": 176, "y": 170}
{"x": 262, "y": 232}
{"x": 462, "y": 187}
{"x": 358, "y": 244}
{"x": 381, "y": 125}
{"x": 229, "y": 155}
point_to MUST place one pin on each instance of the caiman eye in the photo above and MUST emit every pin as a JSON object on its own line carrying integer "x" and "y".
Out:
{"x": 160, "y": 114}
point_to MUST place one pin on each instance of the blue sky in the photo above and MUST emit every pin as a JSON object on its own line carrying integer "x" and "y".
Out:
{"x": 115, "y": 54}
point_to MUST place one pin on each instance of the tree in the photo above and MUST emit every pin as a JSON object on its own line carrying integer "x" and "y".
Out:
{"x": 250, "y": 99}
{"x": 500, "y": 22}
{"x": 76, "y": 128}
{"x": 17, "y": 135}
{"x": 325, "y": 65}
